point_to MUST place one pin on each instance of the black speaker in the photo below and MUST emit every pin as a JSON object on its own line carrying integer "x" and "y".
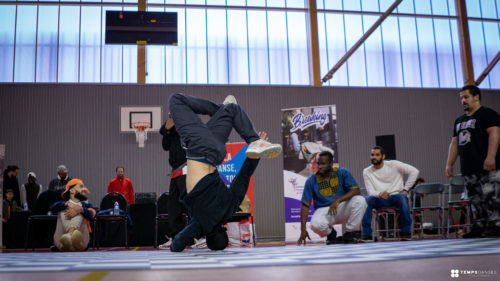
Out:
{"x": 389, "y": 144}
{"x": 145, "y": 198}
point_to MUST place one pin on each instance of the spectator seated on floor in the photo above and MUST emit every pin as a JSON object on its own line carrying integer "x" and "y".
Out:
{"x": 73, "y": 216}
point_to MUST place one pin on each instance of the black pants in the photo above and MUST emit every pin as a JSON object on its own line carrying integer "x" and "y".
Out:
{"x": 208, "y": 140}
{"x": 176, "y": 208}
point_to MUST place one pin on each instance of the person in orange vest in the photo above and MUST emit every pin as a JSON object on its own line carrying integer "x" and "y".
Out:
{"x": 122, "y": 185}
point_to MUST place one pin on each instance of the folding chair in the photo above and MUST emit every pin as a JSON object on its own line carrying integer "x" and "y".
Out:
{"x": 237, "y": 217}
{"x": 427, "y": 189}
{"x": 462, "y": 205}
{"x": 107, "y": 203}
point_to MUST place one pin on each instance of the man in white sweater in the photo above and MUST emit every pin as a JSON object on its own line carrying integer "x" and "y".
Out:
{"x": 385, "y": 187}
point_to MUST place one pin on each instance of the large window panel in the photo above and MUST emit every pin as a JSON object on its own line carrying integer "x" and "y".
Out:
{"x": 356, "y": 63}
{"x": 69, "y": 44}
{"x": 322, "y": 46}
{"x": 7, "y": 28}
{"x": 473, "y": 8}
{"x": 488, "y": 9}
{"x": 427, "y": 53}
{"x": 217, "y": 47}
{"x": 406, "y": 7}
{"x": 456, "y": 53}
{"x": 370, "y": 6}
{"x": 7, "y": 38}
{"x": 176, "y": 55}
{"x": 440, "y": 7}
{"x": 444, "y": 50}
{"x": 296, "y": 3}
{"x": 130, "y": 58}
{"x": 238, "y": 47}
{"x": 374, "y": 54}
{"x": 90, "y": 45}
{"x": 24, "y": 64}
{"x": 297, "y": 44}
{"x": 278, "y": 48}
{"x": 335, "y": 39}
{"x": 332, "y": 4}
{"x": 352, "y": 5}
{"x": 274, "y": 3}
{"x": 196, "y": 46}
{"x": 422, "y": 6}
{"x": 46, "y": 55}
{"x": 258, "y": 47}
{"x": 392, "y": 52}
{"x": 410, "y": 55}
{"x": 491, "y": 36}
{"x": 112, "y": 55}
{"x": 155, "y": 59}
{"x": 478, "y": 50}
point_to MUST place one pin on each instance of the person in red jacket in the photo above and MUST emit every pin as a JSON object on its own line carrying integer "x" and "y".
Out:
{"x": 122, "y": 184}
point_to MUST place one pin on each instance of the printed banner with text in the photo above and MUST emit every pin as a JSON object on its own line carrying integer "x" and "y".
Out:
{"x": 228, "y": 170}
{"x": 306, "y": 132}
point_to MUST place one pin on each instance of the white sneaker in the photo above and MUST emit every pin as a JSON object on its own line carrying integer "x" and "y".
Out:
{"x": 200, "y": 244}
{"x": 229, "y": 99}
{"x": 263, "y": 149}
{"x": 166, "y": 245}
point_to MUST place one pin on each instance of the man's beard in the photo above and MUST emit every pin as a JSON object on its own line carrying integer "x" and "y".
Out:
{"x": 80, "y": 196}
{"x": 376, "y": 162}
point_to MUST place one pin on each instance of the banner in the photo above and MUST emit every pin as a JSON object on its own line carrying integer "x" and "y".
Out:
{"x": 306, "y": 132}
{"x": 228, "y": 170}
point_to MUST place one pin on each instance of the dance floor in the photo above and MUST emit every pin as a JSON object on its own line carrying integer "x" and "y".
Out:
{"x": 259, "y": 257}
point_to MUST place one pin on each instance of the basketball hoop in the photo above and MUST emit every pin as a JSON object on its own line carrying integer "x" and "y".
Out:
{"x": 141, "y": 132}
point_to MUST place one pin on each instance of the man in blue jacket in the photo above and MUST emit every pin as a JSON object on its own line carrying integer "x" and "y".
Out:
{"x": 73, "y": 216}
{"x": 210, "y": 203}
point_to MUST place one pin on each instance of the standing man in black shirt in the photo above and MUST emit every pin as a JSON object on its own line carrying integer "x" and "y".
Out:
{"x": 171, "y": 142}
{"x": 476, "y": 136}
{"x": 10, "y": 182}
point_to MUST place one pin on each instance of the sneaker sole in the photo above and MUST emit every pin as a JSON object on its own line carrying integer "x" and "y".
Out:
{"x": 269, "y": 153}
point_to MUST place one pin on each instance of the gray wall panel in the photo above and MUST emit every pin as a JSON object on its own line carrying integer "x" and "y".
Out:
{"x": 45, "y": 125}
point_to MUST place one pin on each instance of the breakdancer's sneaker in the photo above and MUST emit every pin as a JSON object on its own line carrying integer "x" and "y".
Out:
{"x": 200, "y": 244}
{"x": 166, "y": 245}
{"x": 229, "y": 99}
{"x": 263, "y": 149}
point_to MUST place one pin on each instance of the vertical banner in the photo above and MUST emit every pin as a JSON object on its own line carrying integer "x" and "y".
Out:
{"x": 2, "y": 170}
{"x": 228, "y": 169}
{"x": 306, "y": 132}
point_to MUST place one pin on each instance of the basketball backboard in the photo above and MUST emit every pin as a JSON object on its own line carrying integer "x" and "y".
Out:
{"x": 132, "y": 114}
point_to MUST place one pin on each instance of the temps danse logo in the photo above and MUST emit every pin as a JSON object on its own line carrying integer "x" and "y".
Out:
{"x": 455, "y": 273}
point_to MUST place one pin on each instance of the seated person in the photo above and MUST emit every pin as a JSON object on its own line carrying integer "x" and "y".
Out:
{"x": 9, "y": 206}
{"x": 59, "y": 182}
{"x": 73, "y": 216}
{"x": 210, "y": 203}
{"x": 385, "y": 187}
{"x": 337, "y": 200}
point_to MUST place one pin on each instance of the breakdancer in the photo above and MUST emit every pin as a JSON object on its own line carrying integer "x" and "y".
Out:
{"x": 210, "y": 203}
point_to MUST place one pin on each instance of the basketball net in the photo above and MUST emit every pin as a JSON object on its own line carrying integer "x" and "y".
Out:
{"x": 141, "y": 132}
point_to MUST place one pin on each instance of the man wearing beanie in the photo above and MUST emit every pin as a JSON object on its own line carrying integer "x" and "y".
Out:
{"x": 73, "y": 216}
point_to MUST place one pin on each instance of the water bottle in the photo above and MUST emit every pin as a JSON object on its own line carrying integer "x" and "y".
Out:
{"x": 25, "y": 206}
{"x": 116, "y": 209}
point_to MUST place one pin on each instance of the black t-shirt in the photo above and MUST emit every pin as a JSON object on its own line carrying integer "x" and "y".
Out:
{"x": 473, "y": 139}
